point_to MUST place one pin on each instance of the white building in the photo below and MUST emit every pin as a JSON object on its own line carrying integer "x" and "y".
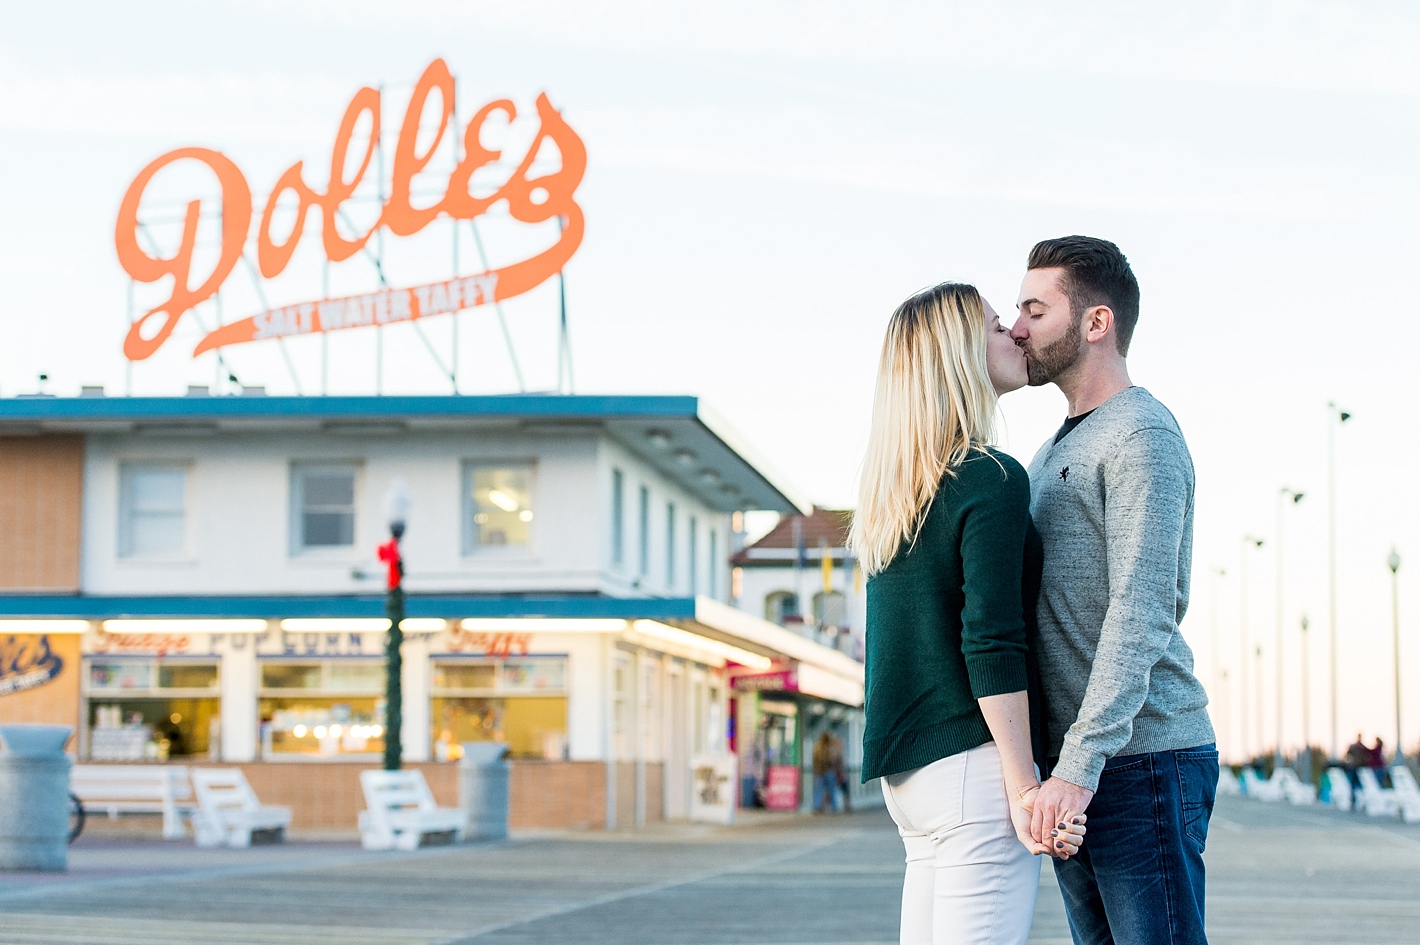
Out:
{"x": 212, "y": 580}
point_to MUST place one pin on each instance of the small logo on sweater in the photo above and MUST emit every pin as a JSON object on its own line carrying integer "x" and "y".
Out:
{"x": 1065, "y": 474}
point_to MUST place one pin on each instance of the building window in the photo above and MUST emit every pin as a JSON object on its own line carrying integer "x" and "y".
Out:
{"x": 692, "y": 559}
{"x": 643, "y": 529}
{"x": 152, "y": 511}
{"x": 670, "y": 546}
{"x": 146, "y": 709}
{"x": 322, "y": 708}
{"x": 519, "y": 702}
{"x": 714, "y": 563}
{"x": 830, "y": 609}
{"x": 324, "y": 500}
{"x": 498, "y": 506}
{"x": 617, "y": 540}
{"x": 779, "y": 606}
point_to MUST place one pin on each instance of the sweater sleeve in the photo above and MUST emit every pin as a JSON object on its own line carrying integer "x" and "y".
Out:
{"x": 993, "y": 536}
{"x": 1148, "y": 489}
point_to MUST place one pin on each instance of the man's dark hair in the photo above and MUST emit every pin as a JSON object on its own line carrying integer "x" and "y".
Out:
{"x": 1096, "y": 273}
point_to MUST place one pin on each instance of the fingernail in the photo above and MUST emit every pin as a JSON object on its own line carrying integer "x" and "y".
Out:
{"x": 1076, "y": 821}
{"x": 1059, "y": 845}
{"x": 1059, "y": 826}
{"x": 1055, "y": 833}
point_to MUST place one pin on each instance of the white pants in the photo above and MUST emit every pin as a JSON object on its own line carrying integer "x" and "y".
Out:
{"x": 969, "y": 880}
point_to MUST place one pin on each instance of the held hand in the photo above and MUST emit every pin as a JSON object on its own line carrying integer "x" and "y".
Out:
{"x": 1058, "y": 802}
{"x": 1021, "y": 807}
{"x": 1065, "y": 838}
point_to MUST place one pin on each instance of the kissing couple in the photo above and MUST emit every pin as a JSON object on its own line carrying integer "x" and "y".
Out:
{"x": 1026, "y": 624}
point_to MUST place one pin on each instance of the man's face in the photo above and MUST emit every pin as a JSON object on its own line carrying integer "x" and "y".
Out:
{"x": 1045, "y": 329}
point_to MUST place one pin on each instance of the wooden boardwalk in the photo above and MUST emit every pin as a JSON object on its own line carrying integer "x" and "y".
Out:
{"x": 1276, "y": 875}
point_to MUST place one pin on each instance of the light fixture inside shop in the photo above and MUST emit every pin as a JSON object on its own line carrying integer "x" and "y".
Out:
{"x": 335, "y": 624}
{"x": 543, "y": 625}
{"x": 685, "y": 457}
{"x": 661, "y": 631}
{"x": 423, "y": 625}
{"x": 184, "y": 626}
{"x": 501, "y": 499}
{"x": 43, "y": 626}
{"x": 299, "y": 731}
{"x": 660, "y": 439}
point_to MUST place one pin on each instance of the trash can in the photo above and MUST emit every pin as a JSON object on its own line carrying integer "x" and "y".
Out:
{"x": 34, "y": 797}
{"x": 483, "y": 790}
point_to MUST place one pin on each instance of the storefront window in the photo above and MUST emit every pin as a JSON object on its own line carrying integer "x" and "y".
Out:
{"x": 146, "y": 709}
{"x": 520, "y": 702}
{"x": 322, "y": 709}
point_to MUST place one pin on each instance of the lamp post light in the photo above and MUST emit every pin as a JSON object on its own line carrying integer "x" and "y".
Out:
{"x": 1284, "y": 496}
{"x": 1393, "y": 562}
{"x": 1249, "y": 542}
{"x": 1306, "y": 702}
{"x": 397, "y": 511}
{"x": 1340, "y": 416}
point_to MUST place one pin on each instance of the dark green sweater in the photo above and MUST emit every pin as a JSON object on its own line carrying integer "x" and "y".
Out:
{"x": 947, "y": 620}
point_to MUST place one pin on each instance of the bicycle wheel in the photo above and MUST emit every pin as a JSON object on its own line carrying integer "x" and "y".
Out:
{"x": 76, "y": 817}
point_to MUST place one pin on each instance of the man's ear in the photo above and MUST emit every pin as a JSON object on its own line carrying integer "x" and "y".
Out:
{"x": 1099, "y": 323}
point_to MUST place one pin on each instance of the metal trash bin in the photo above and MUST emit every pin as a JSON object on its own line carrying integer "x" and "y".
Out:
{"x": 34, "y": 797}
{"x": 483, "y": 790}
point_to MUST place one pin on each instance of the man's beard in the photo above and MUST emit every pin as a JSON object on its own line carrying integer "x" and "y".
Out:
{"x": 1049, "y": 362}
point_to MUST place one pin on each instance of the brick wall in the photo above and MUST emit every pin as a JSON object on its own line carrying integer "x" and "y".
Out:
{"x": 41, "y": 494}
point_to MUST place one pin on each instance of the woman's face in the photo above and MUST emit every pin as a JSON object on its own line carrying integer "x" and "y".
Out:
{"x": 1005, "y": 363}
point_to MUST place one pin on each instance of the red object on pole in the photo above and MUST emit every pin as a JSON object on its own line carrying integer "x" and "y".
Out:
{"x": 389, "y": 553}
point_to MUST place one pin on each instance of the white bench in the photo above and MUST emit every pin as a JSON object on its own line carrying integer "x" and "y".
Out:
{"x": 1227, "y": 781}
{"x": 400, "y": 811}
{"x": 228, "y": 810}
{"x": 135, "y": 789}
{"x": 1407, "y": 793}
{"x": 1340, "y": 788}
{"x": 1292, "y": 788}
{"x": 1374, "y": 799}
{"x": 1258, "y": 789}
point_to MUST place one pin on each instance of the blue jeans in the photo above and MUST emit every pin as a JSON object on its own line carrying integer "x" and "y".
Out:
{"x": 826, "y": 791}
{"x": 1138, "y": 879}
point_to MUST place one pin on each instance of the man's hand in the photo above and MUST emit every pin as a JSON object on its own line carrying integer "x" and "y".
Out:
{"x": 1057, "y": 802}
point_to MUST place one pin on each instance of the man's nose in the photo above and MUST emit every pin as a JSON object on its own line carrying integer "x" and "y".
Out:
{"x": 1019, "y": 332}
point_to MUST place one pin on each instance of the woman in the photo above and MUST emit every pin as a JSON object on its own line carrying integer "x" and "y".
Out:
{"x": 941, "y": 530}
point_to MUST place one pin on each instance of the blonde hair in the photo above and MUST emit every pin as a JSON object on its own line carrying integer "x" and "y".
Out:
{"x": 933, "y": 405}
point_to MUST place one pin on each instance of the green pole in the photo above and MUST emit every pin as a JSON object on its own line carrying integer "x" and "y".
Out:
{"x": 394, "y": 692}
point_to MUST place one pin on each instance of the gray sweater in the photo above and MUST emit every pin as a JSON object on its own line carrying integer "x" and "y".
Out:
{"x": 1113, "y": 502}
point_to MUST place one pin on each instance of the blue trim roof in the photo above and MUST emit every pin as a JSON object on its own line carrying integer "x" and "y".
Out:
{"x": 279, "y": 608}
{"x": 199, "y": 408}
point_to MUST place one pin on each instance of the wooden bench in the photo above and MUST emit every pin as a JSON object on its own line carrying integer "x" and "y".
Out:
{"x": 1407, "y": 793}
{"x": 1340, "y": 786}
{"x": 1373, "y": 799}
{"x": 228, "y": 810}
{"x": 400, "y": 811}
{"x": 136, "y": 789}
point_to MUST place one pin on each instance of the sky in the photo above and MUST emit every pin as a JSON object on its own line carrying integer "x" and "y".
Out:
{"x": 765, "y": 182}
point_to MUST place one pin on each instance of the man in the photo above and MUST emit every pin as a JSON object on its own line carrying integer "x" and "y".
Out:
{"x": 1112, "y": 498}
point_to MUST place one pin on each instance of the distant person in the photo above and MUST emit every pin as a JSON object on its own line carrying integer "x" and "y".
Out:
{"x": 1377, "y": 761}
{"x": 827, "y": 765}
{"x": 1358, "y": 756}
{"x": 943, "y": 532}
{"x": 1112, "y": 495}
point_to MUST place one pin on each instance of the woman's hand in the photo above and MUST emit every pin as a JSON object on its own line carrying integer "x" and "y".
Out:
{"x": 1065, "y": 837}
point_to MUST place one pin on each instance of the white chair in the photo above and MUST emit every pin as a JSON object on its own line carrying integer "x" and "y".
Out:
{"x": 1258, "y": 789}
{"x": 228, "y": 810}
{"x": 1340, "y": 786}
{"x": 1373, "y": 799}
{"x": 1407, "y": 793}
{"x": 1228, "y": 782}
{"x": 400, "y": 811}
{"x": 1292, "y": 788}
{"x": 140, "y": 789}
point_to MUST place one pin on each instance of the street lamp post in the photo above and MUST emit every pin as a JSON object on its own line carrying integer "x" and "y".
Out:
{"x": 1219, "y": 677}
{"x": 1393, "y": 562}
{"x": 1284, "y": 495}
{"x": 1260, "y": 736}
{"x": 1340, "y": 416}
{"x": 1249, "y": 542}
{"x": 1306, "y": 702}
{"x": 397, "y": 508}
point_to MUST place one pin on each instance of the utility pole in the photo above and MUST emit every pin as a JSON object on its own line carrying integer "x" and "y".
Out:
{"x": 1249, "y": 542}
{"x": 1339, "y": 416}
{"x": 1283, "y": 495}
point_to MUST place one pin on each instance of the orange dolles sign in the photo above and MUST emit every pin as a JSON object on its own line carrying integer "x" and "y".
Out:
{"x": 530, "y": 200}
